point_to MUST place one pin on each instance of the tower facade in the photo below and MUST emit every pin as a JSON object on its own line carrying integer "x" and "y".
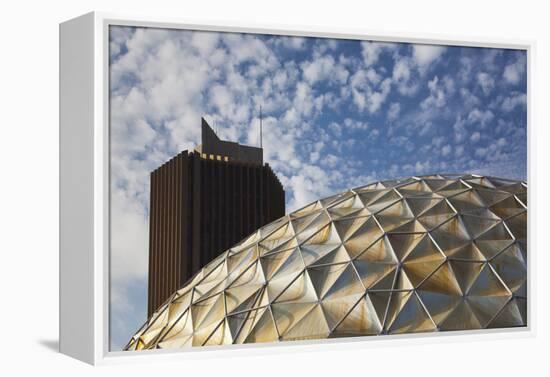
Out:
{"x": 203, "y": 202}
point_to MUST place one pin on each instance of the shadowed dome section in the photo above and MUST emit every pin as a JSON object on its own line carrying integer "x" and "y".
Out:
{"x": 421, "y": 254}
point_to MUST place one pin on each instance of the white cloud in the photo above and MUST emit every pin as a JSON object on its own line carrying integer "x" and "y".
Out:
{"x": 481, "y": 152}
{"x": 437, "y": 97}
{"x": 279, "y": 143}
{"x": 513, "y": 101}
{"x": 496, "y": 151}
{"x": 424, "y": 55}
{"x": 401, "y": 70}
{"x": 514, "y": 72}
{"x": 118, "y": 37}
{"x": 352, "y": 124}
{"x": 304, "y": 191}
{"x": 438, "y": 141}
{"x": 248, "y": 48}
{"x": 129, "y": 237}
{"x": 422, "y": 167}
{"x": 393, "y": 111}
{"x": 466, "y": 68}
{"x": 324, "y": 68}
{"x": 459, "y": 151}
{"x": 469, "y": 99}
{"x": 481, "y": 117}
{"x": 394, "y": 170}
{"x": 446, "y": 150}
{"x": 373, "y": 76}
{"x": 359, "y": 99}
{"x": 335, "y": 128}
{"x": 409, "y": 71}
{"x": 205, "y": 41}
{"x": 314, "y": 157}
{"x": 475, "y": 137}
{"x": 459, "y": 129}
{"x": 292, "y": 43}
{"x": 330, "y": 160}
{"x": 367, "y": 95}
{"x": 304, "y": 99}
{"x": 324, "y": 45}
{"x": 312, "y": 183}
{"x": 374, "y": 134}
{"x": 220, "y": 97}
{"x": 486, "y": 82}
{"x": 402, "y": 76}
{"x": 377, "y": 98}
{"x": 371, "y": 51}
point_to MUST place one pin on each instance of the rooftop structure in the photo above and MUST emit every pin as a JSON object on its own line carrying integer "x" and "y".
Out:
{"x": 212, "y": 147}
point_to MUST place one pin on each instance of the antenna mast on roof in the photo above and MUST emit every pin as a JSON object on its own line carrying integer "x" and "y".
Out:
{"x": 261, "y": 128}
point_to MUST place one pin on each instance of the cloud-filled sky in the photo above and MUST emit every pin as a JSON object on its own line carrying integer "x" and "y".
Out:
{"x": 336, "y": 114}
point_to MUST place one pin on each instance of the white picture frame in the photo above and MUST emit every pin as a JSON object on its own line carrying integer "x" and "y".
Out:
{"x": 84, "y": 188}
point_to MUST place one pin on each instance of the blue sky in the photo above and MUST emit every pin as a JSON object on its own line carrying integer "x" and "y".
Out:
{"x": 336, "y": 114}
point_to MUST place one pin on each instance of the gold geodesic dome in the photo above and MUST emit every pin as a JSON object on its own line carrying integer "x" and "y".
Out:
{"x": 421, "y": 254}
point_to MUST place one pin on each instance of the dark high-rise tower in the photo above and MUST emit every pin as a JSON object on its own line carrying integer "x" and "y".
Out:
{"x": 202, "y": 202}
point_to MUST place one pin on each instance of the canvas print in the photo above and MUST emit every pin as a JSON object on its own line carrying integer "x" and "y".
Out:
{"x": 268, "y": 188}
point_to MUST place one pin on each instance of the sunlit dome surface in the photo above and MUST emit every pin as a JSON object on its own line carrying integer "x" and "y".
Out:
{"x": 421, "y": 254}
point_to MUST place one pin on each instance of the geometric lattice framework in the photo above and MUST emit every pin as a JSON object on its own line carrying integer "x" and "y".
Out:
{"x": 431, "y": 253}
